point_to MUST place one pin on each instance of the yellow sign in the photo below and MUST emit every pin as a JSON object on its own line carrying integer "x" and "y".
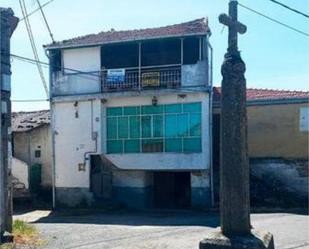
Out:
{"x": 151, "y": 79}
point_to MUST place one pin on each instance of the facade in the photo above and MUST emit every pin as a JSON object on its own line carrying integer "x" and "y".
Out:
{"x": 130, "y": 117}
{"x": 278, "y": 137}
{"x": 31, "y": 136}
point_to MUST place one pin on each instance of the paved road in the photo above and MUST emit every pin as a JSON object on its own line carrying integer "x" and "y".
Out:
{"x": 156, "y": 230}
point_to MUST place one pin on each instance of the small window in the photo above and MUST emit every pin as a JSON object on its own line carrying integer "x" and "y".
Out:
{"x": 37, "y": 153}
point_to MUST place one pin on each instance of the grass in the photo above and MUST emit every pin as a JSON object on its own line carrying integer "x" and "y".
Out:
{"x": 26, "y": 234}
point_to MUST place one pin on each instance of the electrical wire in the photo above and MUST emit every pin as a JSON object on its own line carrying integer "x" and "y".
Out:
{"x": 92, "y": 75}
{"x": 33, "y": 46}
{"x": 274, "y": 20}
{"x": 45, "y": 20}
{"x": 289, "y": 8}
{"x": 35, "y": 10}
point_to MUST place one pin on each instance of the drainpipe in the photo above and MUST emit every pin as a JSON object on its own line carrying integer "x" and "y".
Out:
{"x": 94, "y": 136}
{"x": 210, "y": 123}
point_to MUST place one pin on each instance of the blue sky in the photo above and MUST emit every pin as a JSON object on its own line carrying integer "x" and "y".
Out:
{"x": 276, "y": 57}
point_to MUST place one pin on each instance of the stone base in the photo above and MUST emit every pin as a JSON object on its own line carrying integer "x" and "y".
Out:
{"x": 257, "y": 240}
{"x": 6, "y": 238}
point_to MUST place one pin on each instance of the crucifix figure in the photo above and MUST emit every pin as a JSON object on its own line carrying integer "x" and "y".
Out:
{"x": 236, "y": 231}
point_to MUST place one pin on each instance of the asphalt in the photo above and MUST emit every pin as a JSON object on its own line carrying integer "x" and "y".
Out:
{"x": 160, "y": 229}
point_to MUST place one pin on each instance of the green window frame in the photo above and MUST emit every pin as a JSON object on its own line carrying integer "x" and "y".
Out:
{"x": 171, "y": 128}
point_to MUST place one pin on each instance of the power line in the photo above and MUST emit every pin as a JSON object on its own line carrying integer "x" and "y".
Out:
{"x": 289, "y": 8}
{"x": 92, "y": 75}
{"x": 32, "y": 42}
{"x": 274, "y": 20}
{"x": 45, "y": 20}
{"x": 35, "y": 10}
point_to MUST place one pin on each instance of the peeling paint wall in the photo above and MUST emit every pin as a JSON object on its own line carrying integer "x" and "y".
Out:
{"x": 25, "y": 145}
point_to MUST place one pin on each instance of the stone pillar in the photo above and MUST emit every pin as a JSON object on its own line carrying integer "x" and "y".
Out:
{"x": 234, "y": 173}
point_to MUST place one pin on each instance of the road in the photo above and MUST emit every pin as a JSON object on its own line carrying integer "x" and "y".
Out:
{"x": 149, "y": 230}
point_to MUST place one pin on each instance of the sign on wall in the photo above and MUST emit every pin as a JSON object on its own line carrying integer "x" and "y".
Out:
{"x": 116, "y": 75}
{"x": 304, "y": 119}
{"x": 151, "y": 79}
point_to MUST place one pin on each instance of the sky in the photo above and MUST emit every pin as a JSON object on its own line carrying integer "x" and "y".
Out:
{"x": 276, "y": 57}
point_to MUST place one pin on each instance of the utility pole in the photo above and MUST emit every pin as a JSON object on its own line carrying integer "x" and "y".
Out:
{"x": 8, "y": 23}
{"x": 236, "y": 231}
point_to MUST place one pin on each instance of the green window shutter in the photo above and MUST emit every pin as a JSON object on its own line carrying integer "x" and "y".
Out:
{"x": 182, "y": 125}
{"x": 170, "y": 125}
{"x": 114, "y": 146}
{"x": 157, "y": 124}
{"x": 172, "y": 108}
{"x": 173, "y": 145}
{"x": 123, "y": 129}
{"x": 132, "y": 146}
{"x": 195, "y": 124}
{"x": 146, "y": 126}
{"x": 192, "y": 107}
{"x": 192, "y": 145}
{"x": 114, "y": 111}
{"x": 111, "y": 128}
{"x": 135, "y": 124}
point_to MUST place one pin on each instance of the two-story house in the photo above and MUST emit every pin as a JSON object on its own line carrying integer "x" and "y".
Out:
{"x": 130, "y": 115}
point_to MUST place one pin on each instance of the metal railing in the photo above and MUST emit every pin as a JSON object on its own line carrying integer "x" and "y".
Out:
{"x": 168, "y": 76}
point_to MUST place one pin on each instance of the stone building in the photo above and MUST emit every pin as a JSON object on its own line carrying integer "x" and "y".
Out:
{"x": 31, "y": 144}
{"x": 130, "y": 117}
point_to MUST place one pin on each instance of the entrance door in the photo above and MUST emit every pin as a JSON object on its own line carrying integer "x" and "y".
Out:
{"x": 172, "y": 189}
{"x": 216, "y": 156}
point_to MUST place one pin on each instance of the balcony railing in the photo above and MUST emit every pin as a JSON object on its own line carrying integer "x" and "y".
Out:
{"x": 143, "y": 78}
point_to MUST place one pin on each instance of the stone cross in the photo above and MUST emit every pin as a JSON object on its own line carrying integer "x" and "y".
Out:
{"x": 236, "y": 232}
{"x": 234, "y": 176}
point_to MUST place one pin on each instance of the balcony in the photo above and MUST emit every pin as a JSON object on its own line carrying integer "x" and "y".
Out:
{"x": 144, "y": 78}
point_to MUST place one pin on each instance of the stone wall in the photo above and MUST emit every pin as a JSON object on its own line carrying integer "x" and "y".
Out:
{"x": 279, "y": 181}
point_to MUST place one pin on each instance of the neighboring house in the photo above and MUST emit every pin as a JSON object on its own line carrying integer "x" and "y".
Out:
{"x": 278, "y": 127}
{"x": 130, "y": 117}
{"x": 32, "y": 144}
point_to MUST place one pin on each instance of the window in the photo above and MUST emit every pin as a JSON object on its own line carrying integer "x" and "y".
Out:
{"x": 160, "y": 128}
{"x": 37, "y": 153}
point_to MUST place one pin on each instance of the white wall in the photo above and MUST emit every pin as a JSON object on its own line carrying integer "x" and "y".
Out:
{"x": 72, "y": 82}
{"x": 73, "y": 139}
{"x": 20, "y": 171}
{"x": 82, "y": 59}
{"x": 162, "y": 161}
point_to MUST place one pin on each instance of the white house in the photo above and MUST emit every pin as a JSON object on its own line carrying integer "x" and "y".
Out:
{"x": 130, "y": 115}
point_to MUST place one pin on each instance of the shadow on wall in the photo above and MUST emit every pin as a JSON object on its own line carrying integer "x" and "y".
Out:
{"x": 279, "y": 182}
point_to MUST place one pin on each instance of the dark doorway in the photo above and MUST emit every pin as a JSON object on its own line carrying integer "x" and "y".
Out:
{"x": 216, "y": 156}
{"x": 100, "y": 179}
{"x": 172, "y": 189}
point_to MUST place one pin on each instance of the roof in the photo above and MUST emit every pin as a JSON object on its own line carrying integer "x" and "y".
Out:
{"x": 195, "y": 27}
{"x": 265, "y": 94}
{"x": 26, "y": 121}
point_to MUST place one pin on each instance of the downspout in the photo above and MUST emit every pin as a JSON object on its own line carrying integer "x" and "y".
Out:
{"x": 52, "y": 122}
{"x": 211, "y": 124}
{"x": 94, "y": 136}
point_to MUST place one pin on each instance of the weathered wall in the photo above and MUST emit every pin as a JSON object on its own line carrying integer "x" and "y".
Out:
{"x": 200, "y": 188}
{"x": 286, "y": 181}
{"x": 163, "y": 161}
{"x": 20, "y": 171}
{"x": 73, "y": 82}
{"x": 274, "y": 131}
{"x": 73, "y": 139}
{"x": 25, "y": 145}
